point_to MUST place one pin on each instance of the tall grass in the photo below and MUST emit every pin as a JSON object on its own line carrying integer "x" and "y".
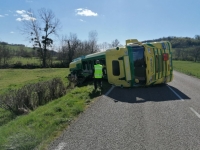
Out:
{"x": 32, "y": 95}
{"x": 188, "y": 67}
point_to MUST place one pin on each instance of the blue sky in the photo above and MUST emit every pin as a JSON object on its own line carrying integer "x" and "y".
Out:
{"x": 112, "y": 19}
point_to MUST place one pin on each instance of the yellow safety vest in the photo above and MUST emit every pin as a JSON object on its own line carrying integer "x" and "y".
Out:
{"x": 98, "y": 73}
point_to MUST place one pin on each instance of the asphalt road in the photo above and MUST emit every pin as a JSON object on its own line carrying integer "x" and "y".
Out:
{"x": 164, "y": 117}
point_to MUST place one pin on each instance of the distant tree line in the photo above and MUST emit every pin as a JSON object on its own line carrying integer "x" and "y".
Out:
{"x": 70, "y": 48}
{"x": 5, "y": 55}
{"x": 184, "y": 48}
{"x": 5, "y": 43}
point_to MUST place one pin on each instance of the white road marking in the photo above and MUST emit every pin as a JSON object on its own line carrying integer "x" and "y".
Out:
{"x": 175, "y": 93}
{"x": 61, "y": 146}
{"x": 110, "y": 90}
{"x": 196, "y": 113}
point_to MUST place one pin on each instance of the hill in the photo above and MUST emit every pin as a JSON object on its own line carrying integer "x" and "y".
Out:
{"x": 16, "y": 47}
{"x": 184, "y": 48}
{"x": 179, "y": 42}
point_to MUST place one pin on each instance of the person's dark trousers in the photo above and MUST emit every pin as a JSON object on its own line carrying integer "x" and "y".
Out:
{"x": 97, "y": 81}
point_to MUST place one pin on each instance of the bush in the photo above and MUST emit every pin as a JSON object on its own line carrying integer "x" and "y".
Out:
{"x": 31, "y": 96}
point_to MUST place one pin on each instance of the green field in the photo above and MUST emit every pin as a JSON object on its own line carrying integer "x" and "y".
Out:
{"x": 23, "y": 61}
{"x": 187, "y": 67}
{"x": 17, "y": 47}
{"x": 16, "y": 78}
{"x": 28, "y": 61}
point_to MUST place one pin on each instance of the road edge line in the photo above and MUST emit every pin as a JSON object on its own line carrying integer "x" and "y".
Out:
{"x": 110, "y": 90}
{"x": 175, "y": 93}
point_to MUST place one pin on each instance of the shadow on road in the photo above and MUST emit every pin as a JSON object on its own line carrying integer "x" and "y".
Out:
{"x": 98, "y": 92}
{"x": 155, "y": 93}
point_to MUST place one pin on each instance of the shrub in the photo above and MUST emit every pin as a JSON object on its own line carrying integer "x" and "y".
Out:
{"x": 31, "y": 96}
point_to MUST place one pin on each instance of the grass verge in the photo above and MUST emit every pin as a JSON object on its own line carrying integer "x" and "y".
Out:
{"x": 41, "y": 126}
{"x": 187, "y": 67}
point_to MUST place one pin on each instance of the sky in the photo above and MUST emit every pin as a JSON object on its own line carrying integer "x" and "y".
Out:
{"x": 111, "y": 19}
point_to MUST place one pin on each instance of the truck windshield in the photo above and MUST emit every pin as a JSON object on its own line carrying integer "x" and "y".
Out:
{"x": 138, "y": 56}
{"x": 139, "y": 63}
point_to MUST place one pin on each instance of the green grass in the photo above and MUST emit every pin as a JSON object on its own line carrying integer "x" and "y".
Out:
{"x": 16, "y": 78}
{"x": 32, "y": 60}
{"x": 5, "y": 116}
{"x": 26, "y": 61}
{"x": 40, "y": 127}
{"x": 187, "y": 67}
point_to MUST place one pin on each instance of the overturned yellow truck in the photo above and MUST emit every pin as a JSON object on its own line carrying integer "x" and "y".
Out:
{"x": 136, "y": 64}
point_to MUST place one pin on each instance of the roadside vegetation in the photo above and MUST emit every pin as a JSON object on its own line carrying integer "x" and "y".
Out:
{"x": 13, "y": 80}
{"x": 41, "y": 125}
{"x": 188, "y": 67}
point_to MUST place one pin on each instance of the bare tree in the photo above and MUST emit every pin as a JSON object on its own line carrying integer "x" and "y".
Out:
{"x": 82, "y": 49}
{"x": 93, "y": 47}
{"x": 104, "y": 46}
{"x": 115, "y": 43}
{"x": 39, "y": 34}
{"x": 73, "y": 43}
{"x": 69, "y": 48}
{"x": 62, "y": 52}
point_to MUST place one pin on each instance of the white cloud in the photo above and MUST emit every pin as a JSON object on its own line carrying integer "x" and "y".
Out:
{"x": 1, "y": 16}
{"x": 6, "y": 14}
{"x": 24, "y": 15}
{"x": 85, "y": 12}
{"x": 12, "y": 32}
{"x": 20, "y": 11}
{"x": 19, "y": 19}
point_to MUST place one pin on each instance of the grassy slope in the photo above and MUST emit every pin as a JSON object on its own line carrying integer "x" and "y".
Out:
{"x": 46, "y": 122}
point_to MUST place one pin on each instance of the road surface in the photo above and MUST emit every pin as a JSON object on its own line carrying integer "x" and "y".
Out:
{"x": 164, "y": 117}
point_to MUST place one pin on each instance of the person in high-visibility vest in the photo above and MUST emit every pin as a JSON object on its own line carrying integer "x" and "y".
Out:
{"x": 98, "y": 74}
